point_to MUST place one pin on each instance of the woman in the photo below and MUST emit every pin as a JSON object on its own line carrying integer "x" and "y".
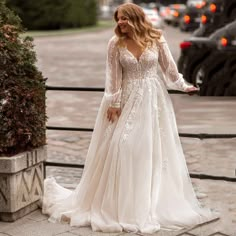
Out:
{"x": 135, "y": 176}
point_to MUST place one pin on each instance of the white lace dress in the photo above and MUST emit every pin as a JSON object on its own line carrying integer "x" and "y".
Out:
{"x": 135, "y": 176}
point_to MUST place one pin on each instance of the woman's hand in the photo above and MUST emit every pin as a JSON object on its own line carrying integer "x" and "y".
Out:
{"x": 191, "y": 90}
{"x": 113, "y": 113}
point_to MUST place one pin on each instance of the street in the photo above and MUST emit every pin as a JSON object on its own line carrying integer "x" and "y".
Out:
{"x": 79, "y": 60}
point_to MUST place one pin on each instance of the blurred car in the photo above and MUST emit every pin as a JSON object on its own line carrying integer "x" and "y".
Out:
{"x": 170, "y": 12}
{"x": 177, "y": 14}
{"x": 215, "y": 14}
{"x": 154, "y": 18}
{"x": 217, "y": 73}
{"x": 210, "y": 63}
{"x": 190, "y": 19}
{"x": 163, "y": 11}
{"x": 196, "y": 3}
{"x": 153, "y": 5}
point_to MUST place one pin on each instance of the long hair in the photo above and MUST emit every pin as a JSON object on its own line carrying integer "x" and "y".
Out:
{"x": 143, "y": 32}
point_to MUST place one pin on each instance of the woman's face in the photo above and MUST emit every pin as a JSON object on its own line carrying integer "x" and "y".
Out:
{"x": 122, "y": 22}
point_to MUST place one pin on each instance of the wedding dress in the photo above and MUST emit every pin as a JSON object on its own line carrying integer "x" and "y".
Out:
{"x": 135, "y": 176}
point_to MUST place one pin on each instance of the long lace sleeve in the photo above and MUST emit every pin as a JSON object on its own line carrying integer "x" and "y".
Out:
{"x": 113, "y": 74}
{"x": 172, "y": 78}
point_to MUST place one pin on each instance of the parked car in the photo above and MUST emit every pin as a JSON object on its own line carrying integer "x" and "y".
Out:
{"x": 169, "y": 11}
{"x": 196, "y": 3}
{"x": 190, "y": 19}
{"x": 210, "y": 63}
{"x": 154, "y": 17}
{"x": 176, "y": 14}
{"x": 215, "y": 14}
{"x": 217, "y": 73}
{"x": 163, "y": 11}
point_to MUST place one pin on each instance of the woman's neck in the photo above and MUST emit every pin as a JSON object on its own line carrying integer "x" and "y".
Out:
{"x": 129, "y": 35}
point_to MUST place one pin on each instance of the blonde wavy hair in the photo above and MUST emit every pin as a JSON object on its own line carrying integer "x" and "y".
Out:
{"x": 143, "y": 32}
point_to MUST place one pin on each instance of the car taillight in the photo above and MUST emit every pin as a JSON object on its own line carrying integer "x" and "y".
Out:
{"x": 204, "y": 19}
{"x": 199, "y": 5}
{"x": 175, "y": 14}
{"x": 224, "y": 41}
{"x": 187, "y": 19}
{"x": 153, "y": 19}
{"x": 167, "y": 11}
{"x": 203, "y": 3}
{"x": 185, "y": 45}
{"x": 213, "y": 7}
{"x": 176, "y": 6}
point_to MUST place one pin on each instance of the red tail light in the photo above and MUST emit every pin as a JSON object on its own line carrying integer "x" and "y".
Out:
{"x": 175, "y": 14}
{"x": 187, "y": 19}
{"x": 185, "y": 45}
{"x": 203, "y": 3}
{"x": 167, "y": 11}
{"x": 213, "y": 7}
{"x": 153, "y": 19}
{"x": 224, "y": 41}
{"x": 199, "y": 5}
{"x": 176, "y": 6}
{"x": 204, "y": 19}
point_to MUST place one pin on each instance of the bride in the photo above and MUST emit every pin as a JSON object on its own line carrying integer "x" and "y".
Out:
{"x": 135, "y": 176}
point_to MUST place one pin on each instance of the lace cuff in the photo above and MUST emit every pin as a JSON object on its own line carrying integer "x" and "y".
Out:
{"x": 179, "y": 84}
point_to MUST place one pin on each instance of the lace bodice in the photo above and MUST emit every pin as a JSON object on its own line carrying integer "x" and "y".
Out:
{"x": 123, "y": 65}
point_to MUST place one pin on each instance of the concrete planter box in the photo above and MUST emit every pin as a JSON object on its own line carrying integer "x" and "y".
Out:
{"x": 21, "y": 183}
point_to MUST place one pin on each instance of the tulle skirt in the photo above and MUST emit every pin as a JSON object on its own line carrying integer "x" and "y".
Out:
{"x": 135, "y": 176}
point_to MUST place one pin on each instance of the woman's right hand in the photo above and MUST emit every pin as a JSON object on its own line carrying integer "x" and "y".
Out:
{"x": 113, "y": 113}
{"x": 191, "y": 90}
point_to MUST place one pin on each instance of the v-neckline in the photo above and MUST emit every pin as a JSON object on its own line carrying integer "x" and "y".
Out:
{"x": 137, "y": 59}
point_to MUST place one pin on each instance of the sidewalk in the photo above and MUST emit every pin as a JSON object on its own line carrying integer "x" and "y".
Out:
{"x": 211, "y": 156}
{"x": 36, "y": 224}
{"x": 71, "y": 66}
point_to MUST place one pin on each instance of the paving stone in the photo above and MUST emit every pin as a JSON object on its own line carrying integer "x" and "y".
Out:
{"x": 104, "y": 234}
{"x": 82, "y": 231}
{"x": 42, "y": 228}
{"x": 158, "y": 233}
{"x": 214, "y": 157}
{"x": 36, "y": 216}
{"x": 66, "y": 234}
{"x": 221, "y": 197}
{"x": 6, "y": 226}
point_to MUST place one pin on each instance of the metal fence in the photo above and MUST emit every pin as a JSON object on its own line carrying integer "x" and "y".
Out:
{"x": 188, "y": 135}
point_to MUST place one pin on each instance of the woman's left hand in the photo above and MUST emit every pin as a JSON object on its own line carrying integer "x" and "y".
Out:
{"x": 191, "y": 90}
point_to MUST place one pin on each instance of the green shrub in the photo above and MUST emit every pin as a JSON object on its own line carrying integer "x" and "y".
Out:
{"x": 22, "y": 89}
{"x": 56, "y": 14}
{"x": 81, "y": 13}
{"x": 40, "y": 14}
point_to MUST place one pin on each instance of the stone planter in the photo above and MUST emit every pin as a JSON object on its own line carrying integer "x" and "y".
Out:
{"x": 21, "y": 183}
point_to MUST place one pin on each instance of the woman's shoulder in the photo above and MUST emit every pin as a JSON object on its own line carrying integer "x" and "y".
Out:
{"x": 115, "y": 43}
{"x": 113, "y": 40}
